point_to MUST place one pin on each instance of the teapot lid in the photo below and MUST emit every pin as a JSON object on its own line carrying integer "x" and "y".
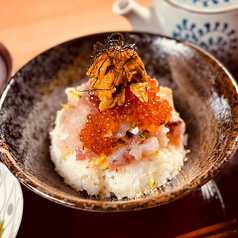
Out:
{"x": 213, "y": 6}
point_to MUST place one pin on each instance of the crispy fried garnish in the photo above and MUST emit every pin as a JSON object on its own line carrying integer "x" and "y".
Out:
{"x": 113, "y": 70}
{"x": 140, "y": 90}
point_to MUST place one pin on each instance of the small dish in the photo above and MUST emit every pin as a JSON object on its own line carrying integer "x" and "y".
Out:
{"x": 11, "y": 203}
{"x": 205, "y": 94}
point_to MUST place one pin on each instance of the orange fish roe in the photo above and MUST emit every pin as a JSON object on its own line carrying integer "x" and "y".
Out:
{"x": 101, "y": 127}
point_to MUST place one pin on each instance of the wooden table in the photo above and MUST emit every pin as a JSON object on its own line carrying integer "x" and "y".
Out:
{"x": 28, "y": 27}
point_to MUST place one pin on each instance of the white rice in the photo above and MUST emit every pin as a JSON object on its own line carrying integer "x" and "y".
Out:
{"x": 131, "y": 180}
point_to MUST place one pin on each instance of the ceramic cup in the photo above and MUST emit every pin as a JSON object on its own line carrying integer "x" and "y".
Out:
{"x": 210, "y": 24}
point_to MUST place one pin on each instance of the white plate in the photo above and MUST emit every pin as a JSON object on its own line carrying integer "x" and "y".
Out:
{"x": 11, "y": 203}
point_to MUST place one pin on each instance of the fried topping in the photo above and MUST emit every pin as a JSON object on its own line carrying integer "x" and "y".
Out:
{"x": 114, "y": 68}
{"x": 98, "y": 135}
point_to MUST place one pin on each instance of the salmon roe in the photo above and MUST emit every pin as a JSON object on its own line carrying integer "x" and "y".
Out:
{"x": 101, "y": 127}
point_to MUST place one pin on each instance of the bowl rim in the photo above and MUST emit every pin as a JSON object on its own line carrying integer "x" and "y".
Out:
{"x": 60, "y": 197}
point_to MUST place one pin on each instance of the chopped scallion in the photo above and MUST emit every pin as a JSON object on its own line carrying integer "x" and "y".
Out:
{"x": 133, "y": 125}
{"x": 105, "y": 168}
{"x": 74, "y": 93}
{"x": 142, "y": 136}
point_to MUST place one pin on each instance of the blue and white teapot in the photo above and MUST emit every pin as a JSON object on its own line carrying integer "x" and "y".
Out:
{"x": 210, "y": 24}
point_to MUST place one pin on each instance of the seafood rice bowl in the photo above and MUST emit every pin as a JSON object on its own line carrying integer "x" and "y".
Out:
{"x": 119, "y": 133}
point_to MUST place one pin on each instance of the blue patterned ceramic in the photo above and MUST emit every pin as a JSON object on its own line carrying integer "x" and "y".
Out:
{"x": 11, "y": 203}
{"x": 206, "y": 5}
{"x": 218, "y": 38}
{"x": 210, "y": 24}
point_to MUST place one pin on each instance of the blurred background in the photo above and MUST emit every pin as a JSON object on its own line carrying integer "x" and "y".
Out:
{"x": 28, "y": 27}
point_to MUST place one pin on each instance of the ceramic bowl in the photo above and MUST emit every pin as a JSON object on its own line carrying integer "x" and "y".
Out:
{"x": 205, "y": 95}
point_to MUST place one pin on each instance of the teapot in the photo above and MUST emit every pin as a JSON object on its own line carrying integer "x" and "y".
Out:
{"x": 209, "y": 24}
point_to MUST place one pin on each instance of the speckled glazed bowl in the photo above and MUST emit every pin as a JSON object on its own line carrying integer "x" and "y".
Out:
{"x": 205, "y": 94}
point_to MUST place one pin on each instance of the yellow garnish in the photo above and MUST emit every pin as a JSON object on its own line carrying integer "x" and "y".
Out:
{"x": 105, "y": 168}
{"x": 177, "y": 114}
{"x": 133, "y": 125}
{"x": 125, "y": 139}
{"x": 121, "y": 142}
{"x": 66, "y": 107}
{"x": 1, "y": 228}
{"x": 101, "y": 160}
{"x": 157, "y": 153}
{"x": 152, "y": 182}
{"x": 142, "y": 136}
{"x": 75, "y": 94}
